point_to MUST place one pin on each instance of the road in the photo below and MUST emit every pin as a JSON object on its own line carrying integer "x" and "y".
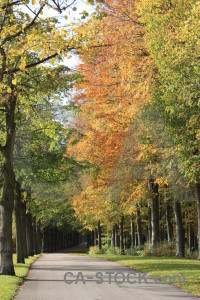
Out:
{"x": 45, "y": 281}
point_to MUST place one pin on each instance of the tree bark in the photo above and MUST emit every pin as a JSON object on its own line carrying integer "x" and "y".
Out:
{"x": 132, "y": 233}
{"x": 45, "y": 240}
{"x": 122, "y": 235}
{"x": 149, "y": 225}
{"x": 169, "y": 222}
{"x": 180, "y": 239}
{"x": 124, "y": 241}
{"x": 34, "y": 235}
{"x": 99, "y": 235}
{"x": 24, "y": 228}
{"x": 197, "y": 194}
{"x": 190, "y": 236}
{"x": 139, "y": 228}
{"x": 154, "y": 211}
{"x": 29, "y": 235}
{"x": 7, "y": 201}
{"x": 39, "y": 238}
{"x": 19, "y": 226}
{"x": 95, "y": 237}
{"x": 88, "y": 240}
{"x": 116, "y": 236}
{"x": 113, "y": 237}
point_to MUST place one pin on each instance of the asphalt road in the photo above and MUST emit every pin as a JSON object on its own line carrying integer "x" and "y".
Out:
{"x": 47, "y": 280}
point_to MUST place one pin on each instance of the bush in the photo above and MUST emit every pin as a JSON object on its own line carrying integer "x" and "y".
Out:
{"x": 105, "y": 250}
{"x": 113, "y": 251}
{"x": 160, "y": 249}
{"x": 191, "y": 254}
{"x": 133, "y": 252}
{"x": 94, "y": 250}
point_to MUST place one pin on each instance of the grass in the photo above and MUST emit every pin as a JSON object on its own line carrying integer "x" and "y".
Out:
{"x": 162, "y": 266}
{"x": 10, "y": 284}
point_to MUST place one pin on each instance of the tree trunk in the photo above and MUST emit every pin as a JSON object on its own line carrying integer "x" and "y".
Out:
{"x": 29, "y": 235}
{"x": 124, "y": 241}
{"x": 149, "y": 225}
{"x": 34, "y": 235}
{"x": 46, "y": 239}
{"x": 122, "y": 236}
{"x": 95, "y": 238}
{"x": 169, "y": 222}
{"x": 139, "y": 228}
{"x": 116, "y": 236}
{"x": 113, "y": 238}
{"x": 132, "y": 233}
{"x": 7, "y": 201}
{"x": 19, "y": 226}
{"x": 190, "y": 235}
{"x": 61, "y": 240}
{"x": 136, "y": 237}
{"x": 24, "y": 228}
{"x": 56, "y": 240}
{"x": 99, "y": 235}
{"x": 180, "y": 240}
{"x": 88, "y": 240}
{"x": 39, "y": 238}
{"x": 197, "y": 194}
{"x": 154, "y": 212}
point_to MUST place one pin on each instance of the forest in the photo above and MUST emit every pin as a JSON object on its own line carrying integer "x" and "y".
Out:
{"x": 107, "y": 149}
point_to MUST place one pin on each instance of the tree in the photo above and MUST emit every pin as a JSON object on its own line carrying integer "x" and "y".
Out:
{"x": 176, "y": 91}
{"x": 28, "y": 40}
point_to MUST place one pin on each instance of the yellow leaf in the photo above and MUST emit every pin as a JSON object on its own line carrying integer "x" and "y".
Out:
{"x": 33, "y": 2}
{"x": 9, "y": 91}
{"x": 22, "y": 65}
{"x": 14, "y": 81}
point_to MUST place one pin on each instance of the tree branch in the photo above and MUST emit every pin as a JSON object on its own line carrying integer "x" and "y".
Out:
{"x": 39, "y": 62}
{"x": 10, "y": 37}
{"x": 3, "y": 54}
{"x": 8, "y": 4}
{"x": 34, "y": 64}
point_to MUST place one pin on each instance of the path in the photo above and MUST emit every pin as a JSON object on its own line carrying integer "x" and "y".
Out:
{"x": 46, "y": 281}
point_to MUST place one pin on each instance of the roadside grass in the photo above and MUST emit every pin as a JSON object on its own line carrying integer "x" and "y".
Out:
{"x": 162, "y": 266}
{"x": 10, "y": 284}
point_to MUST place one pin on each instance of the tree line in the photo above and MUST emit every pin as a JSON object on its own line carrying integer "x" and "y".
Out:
{"x": 139, "y": 116}
{"x": 34, "y": 85}
{"x": 121, "y": 154}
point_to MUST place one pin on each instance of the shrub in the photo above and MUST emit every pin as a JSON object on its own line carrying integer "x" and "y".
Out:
{"x": 94, "y": 250}
{"x": 113, "y": 251}
{"x": 133, "y": 252}
{"x": 160, "y": 249}
{"x": 191, "y": 254}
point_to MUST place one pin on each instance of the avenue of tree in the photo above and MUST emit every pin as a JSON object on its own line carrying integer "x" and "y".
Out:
{"x": 112, "y": 148}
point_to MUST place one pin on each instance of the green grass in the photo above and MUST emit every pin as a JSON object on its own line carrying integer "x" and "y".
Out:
{"x": 163, "y": 266}
{"x": 10, "y": 284}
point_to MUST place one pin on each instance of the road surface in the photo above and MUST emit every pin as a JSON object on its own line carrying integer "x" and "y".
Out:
{"x": 48, "y": 280}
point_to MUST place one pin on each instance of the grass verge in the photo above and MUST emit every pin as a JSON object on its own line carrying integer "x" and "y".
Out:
{"x": 10, "y": 284}
{"x": 163, "y": 266}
